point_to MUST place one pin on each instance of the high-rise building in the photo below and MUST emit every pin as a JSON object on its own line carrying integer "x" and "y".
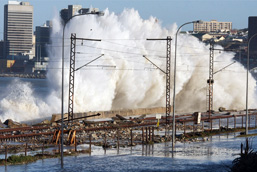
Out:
{"x": 18, "y": 27}
{"x": 42, "y": 34}
{"x": 212, "y": 26}
{"x": 252, "y": 29}
{"x": 1, "y": 49}
{"x": 64, "y": 14}
{"x": 72, "y": 10}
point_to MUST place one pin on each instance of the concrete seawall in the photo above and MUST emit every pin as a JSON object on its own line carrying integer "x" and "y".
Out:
{"x": 110, "y": 114}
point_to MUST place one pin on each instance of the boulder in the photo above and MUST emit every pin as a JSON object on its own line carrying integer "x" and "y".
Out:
{"x": 12, "y": 124}
{"x": 2, "y": 125}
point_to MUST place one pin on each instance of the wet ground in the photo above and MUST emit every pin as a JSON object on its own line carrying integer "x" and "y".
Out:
{"x": 214, "y": 154}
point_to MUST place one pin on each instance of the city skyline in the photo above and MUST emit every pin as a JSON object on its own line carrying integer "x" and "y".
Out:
{"x": 167, "y": 12}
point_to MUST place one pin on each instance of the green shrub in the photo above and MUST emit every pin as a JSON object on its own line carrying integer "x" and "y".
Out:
{"x": 20, "y": 159}
{"x": 247, "y": 162}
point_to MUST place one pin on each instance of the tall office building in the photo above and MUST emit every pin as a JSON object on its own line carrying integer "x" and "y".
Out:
{"x": 18, "y": 27}
{"x": 252, "y": 29}
{"x": 72, "y": 10}
{"x": 43, "y": 39}
{"x": 64, "y": 14}
{"x": 212, "y": 26}
{"x": 1, "y": 49}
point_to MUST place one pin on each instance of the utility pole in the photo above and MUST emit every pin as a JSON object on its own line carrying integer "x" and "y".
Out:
{"x": 72, "y": 72}
{"x": 168, "y": 39}
{"x": 72, "y": 76}
{"x": 210, "y": 82}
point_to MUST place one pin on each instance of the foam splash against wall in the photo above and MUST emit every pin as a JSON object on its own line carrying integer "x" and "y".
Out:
{"x": 122, "y": 78}
{"x": 20, "y": 103}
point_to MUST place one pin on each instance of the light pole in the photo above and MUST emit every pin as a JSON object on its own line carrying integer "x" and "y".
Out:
{"x": 62, "y": 103}
{"x": 248, "y": 54}
{"x": 174, "y": 87}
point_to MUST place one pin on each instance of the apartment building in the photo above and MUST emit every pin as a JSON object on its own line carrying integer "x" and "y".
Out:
{"x": 212, "y": 26}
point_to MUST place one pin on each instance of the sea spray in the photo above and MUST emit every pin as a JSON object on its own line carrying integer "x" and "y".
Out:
{"x": 123, "y": 78}
{"x": 20, "y": 103}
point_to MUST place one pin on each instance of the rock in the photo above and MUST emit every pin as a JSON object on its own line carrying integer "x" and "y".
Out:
{"x": 107, "y": 146}
{"x": 2, "y": 125}
{"x": 12, "y": 124}
{"x": 221, "y": 109}
{"x": 242, "y": 133}
{"x": 24, "y": 125}
{"x": 46, "y": 122}
{"x": 120, "y": 117}
{"x": 94, "y": 135}
{"x": 54, "y": 124}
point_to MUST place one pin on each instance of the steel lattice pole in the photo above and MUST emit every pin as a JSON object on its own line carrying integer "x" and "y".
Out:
{"x": 72, "y": 76}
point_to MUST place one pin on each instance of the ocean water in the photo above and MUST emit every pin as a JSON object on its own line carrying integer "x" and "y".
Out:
{"x": 216, "y": 154}
{"x": 40, "y": 87}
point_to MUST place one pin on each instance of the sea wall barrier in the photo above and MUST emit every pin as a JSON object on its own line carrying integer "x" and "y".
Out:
{"x": 111, "y": 114}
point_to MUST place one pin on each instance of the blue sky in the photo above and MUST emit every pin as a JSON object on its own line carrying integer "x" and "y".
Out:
{"x": 167, "y": 11}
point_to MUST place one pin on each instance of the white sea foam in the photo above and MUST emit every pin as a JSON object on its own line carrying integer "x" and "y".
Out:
{"x": 20, "y": 103}
{"x": 133, "y": 82}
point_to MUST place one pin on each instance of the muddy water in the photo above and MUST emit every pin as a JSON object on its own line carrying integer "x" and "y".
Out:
{"x": 214, "y": 154}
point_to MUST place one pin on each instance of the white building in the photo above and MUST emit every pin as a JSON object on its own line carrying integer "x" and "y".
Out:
{"x": 212, "y": 26}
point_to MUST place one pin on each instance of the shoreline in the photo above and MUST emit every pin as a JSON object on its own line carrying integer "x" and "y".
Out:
{"x": 188, "y": 138}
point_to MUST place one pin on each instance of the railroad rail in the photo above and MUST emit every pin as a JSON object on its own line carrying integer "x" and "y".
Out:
{"x": 189, "y": 119}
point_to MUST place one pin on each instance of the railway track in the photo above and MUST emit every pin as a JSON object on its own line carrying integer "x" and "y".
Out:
{"x": 16, "y": 134}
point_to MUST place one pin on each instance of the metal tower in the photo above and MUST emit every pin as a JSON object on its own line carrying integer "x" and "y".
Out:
{"x": 168, "y": 79}
{"x": 210, "y": 82}
{"x": 72, "y": 76}
{"x": 167, "y": 73}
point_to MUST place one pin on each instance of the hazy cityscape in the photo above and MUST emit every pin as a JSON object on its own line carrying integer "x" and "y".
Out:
{"x": 91, "y": 89}
{"x": 32, "y": 56}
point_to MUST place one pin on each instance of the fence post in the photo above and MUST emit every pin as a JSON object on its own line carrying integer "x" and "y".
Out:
{"x": 75, "y": 144}
{"x": 90, "y": 142}
{"x": 227, "y": 122}
{"x": 59, "y": 147}
{"x": 118, "y": 139}
{"x": 255, "y": 120}
{"x": 26, "y": 147}
{"x": 143, "y": 135}
{"x": 153, "y": 134}
{"x": 146, "y": 135}
{"x": 149, "y": 134}
{"x": 131, "y": 137}
{"x": 105, "y": 142}
{"x": 219, "y": 124}
{"x": 235, "y": 122}
{"x": 211, "y": 124}
{"x": 242, "y": 121}
{"x": 6, "y": 149}
{"x": 184, "y": 127}
{"x": 43, "y": 149}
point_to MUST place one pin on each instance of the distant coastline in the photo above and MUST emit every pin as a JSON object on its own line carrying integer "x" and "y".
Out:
{"x": 24, "y": 75}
